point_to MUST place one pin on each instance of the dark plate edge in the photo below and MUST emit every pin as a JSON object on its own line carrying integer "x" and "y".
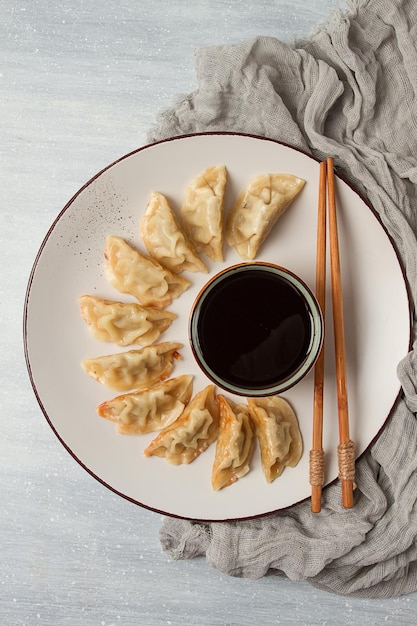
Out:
{"x": 33, "y": 271}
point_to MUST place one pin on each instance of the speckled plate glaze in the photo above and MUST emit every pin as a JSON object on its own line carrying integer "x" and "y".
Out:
{"x": 70, "y": 263}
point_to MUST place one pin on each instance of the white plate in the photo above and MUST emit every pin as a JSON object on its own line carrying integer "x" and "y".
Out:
{"x": 70, "y": 263}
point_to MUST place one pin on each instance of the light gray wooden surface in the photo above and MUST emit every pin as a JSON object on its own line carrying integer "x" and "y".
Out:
{"x": 82, "y": 82}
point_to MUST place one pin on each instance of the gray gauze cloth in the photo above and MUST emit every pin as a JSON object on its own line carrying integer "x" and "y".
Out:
{"x": 349, "y": 92}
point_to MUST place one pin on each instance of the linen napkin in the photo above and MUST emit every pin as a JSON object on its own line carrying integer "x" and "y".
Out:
{"x": 349, "y": 92}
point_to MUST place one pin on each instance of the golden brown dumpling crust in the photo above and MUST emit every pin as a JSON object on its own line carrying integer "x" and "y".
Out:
{"x": 203, "y": 211}
{"x": 192, "y": 433}
{"x": 278, "y": 433}
{"x": 134, "y": 369}
{"x": 257, "y": 208}
{"x": 124, "y": 323}
{"x": 165, "y": 239}
{"x": 141, "y": 276}
{"x": 234, "y": 445}
{"x": 151, "y": 409}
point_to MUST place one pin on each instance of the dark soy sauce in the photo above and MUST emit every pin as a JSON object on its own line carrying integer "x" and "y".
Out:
{"x": 254, "y": 329}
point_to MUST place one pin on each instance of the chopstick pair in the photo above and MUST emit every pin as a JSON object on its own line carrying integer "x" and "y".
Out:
{"x": 346, "y": 448}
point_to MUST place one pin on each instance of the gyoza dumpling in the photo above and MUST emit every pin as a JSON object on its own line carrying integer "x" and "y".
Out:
{"x": 192, "y": 433}
{"x": 257, "y": 208}
{"x": 135, "y": 369}
{"x": 124, "y": 323}
{"x": 164, "y": 239}
{"x": 234, "y": 445}
{"x": 203, "y": 209}
{"x": 279, "y": 436}
{"x": 152, "y": 409}
{"x": 134, "y": 273}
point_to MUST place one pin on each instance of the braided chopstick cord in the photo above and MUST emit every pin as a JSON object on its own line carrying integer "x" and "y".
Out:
{"x": 316, "y": 467}
{"x": 346, "y": 458}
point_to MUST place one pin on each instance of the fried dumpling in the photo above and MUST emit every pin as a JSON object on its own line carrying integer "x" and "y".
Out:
{"x": 257, "y": 208}
{"x": 164, "y": 238}
{"x": 192, "y": 433}
{"x": 234, "y": 445}
{"x": 203, "y": 210}
{"x": 124, "y": 323}
{"x": 135, "y": 369}
{"x": 151, "y": 409}
{"x": 141, "y": 276}
{"x": 278, "y": 433}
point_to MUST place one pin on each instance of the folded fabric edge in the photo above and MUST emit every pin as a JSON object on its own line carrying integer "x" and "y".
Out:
{"x": 393, "y": 588}
{"x": 182, "y": 539}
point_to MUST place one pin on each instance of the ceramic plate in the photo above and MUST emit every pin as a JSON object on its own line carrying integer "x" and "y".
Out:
{"x": 70, "y": 263}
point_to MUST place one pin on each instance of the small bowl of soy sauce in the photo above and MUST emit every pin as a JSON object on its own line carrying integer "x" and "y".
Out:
{"x": 256, "y": 329}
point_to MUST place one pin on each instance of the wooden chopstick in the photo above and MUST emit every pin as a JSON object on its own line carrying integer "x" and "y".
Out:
{"x": 346, "y": 448}
{"x": 317, "y": 453}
